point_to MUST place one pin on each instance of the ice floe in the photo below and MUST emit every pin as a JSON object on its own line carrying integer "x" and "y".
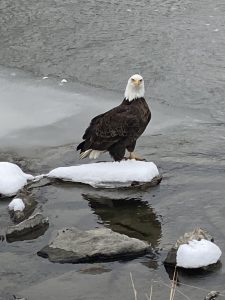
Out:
{"x": 16, "y": 204}
{"x": 12, "y": 179}
{"x": 108, "y": 174}
{"x": 197, "y": 254}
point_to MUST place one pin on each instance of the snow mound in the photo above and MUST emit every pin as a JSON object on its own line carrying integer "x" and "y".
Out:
{"x": 12, "y": 179}
{"x": 16, "y": 204}
{"x": 108, "y": 174}
{"x": 197, "y": 254}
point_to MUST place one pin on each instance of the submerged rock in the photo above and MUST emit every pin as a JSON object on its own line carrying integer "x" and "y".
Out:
{"x": 75, "y": 246}
{"x": 194, "y": 250}
{"x": 28, "y": 229}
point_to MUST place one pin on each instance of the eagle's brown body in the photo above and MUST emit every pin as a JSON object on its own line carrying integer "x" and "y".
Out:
{"x": 118, "y": 129}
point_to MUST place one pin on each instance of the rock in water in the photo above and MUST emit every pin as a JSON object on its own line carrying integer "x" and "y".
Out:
{"x": 12, "y": 179}
{"x": 194, "y": 249}
{"x": 74, "y": 246}
{"x": 108, "y": 174}
{"x": 197, "y": 234}
{"x": 212, "y": 295}
{"x": 28, "y": 229}
{"x": 29, "y": 203}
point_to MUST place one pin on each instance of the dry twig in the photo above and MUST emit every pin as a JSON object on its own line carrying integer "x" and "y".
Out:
{"x": 132, "y": 282}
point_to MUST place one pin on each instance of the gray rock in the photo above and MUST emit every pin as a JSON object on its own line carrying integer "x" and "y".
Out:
{"x": 30, "y": 205}
{"x": 74, "y": 246}
{"x": 27, "y": 194}
{"x": 212, "y": 295}
{"x": 28, "y": 229}
{"x": 196, "y": 234}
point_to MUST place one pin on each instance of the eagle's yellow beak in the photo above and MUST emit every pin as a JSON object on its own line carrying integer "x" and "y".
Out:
{"x": 136, "y": 82}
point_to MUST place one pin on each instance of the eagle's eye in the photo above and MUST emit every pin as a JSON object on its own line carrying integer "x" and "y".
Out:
{"x": 133, "y": 79}
{"x": 140, "y": 80}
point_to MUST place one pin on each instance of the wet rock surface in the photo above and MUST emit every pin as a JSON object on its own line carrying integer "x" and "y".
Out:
{"x": 28, "y": 229}
{"x": 75, "y": 246}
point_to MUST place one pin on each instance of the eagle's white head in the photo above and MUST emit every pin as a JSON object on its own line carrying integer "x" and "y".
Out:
{"x": 135, "y": 87}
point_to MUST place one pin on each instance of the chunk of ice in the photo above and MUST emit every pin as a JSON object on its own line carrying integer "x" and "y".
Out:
{"x": 197, "y": 254}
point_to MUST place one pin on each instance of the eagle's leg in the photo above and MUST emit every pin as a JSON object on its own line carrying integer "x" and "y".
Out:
{"x": 132, "y": 155}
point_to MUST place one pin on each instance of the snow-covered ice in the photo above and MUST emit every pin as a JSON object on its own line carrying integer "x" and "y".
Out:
{"x": 197, "y": 254}
{"x": 108, "y": 174}
{"x": 16, "y": 204}
{"x": 12, "y": 179}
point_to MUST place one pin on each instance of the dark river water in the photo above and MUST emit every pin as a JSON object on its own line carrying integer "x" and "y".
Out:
{"x": 179, "y": 48}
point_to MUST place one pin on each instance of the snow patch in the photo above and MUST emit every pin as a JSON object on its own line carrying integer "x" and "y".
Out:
{"x": 12, "y": 179}
{"x": 107, "y": 174}
{"x": 16, "y": 204}
{"x": 197, "y": 254}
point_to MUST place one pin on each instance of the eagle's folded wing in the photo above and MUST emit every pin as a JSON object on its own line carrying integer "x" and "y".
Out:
{"x": 116, "y": 123}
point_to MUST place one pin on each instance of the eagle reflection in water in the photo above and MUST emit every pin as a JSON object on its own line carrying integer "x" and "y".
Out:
{"x": 130, "y": 216}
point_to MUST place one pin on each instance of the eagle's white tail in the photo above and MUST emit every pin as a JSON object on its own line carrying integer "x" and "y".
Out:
{"x": 85, "y": 153}
{"x": 93, "y": 154}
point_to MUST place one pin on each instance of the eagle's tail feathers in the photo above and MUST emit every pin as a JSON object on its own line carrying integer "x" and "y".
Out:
{"x": 92, "y": 154}
{"x": 85, "y": 153}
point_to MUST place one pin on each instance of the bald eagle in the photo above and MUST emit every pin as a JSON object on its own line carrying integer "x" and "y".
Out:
{"x": 119, "y": 128}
